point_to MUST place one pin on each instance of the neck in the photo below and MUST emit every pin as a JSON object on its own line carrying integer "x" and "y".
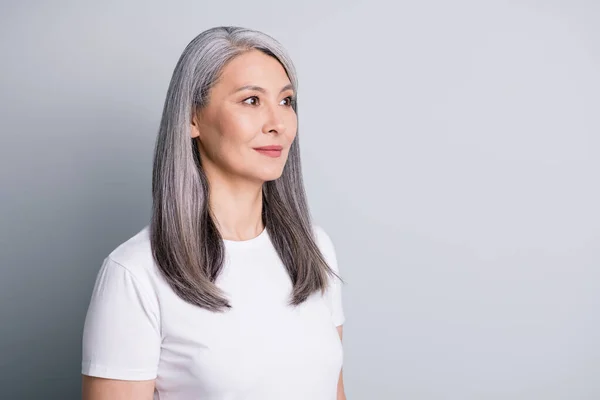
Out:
{"x": 236, "y": 206}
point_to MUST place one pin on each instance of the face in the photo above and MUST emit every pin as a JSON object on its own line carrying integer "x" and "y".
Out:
{"x": 249, "y": 108}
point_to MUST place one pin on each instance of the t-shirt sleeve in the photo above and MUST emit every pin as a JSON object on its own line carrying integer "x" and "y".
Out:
{"x": 334, "y": 291}
{"x": 121, "y": 335}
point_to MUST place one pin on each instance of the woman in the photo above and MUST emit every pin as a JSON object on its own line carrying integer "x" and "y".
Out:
{"x": 230, "y": 292}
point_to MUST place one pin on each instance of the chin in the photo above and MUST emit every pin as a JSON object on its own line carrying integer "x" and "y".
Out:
{"x": 269, "y": 175}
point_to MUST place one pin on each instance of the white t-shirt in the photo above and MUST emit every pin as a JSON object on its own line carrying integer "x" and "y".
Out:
{"x": 137, "y": 328}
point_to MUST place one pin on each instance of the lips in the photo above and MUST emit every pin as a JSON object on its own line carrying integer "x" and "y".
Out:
{"x": 269, "y": 148}
{"x": 270, "y": 151}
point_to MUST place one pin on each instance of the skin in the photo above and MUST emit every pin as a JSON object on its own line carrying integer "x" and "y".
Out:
{"x": 227, "y": 130}
{"x": 341, "y": 394}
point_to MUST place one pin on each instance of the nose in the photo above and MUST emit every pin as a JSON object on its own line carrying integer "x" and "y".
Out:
{"x": 274, "y": 122}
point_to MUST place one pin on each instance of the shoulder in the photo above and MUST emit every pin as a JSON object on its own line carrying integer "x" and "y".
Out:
{"x": 135, "y": 249}
{"x": 135, "y": 256}
{"x": 322, "y": 237}
{"x": 326, "y": 245}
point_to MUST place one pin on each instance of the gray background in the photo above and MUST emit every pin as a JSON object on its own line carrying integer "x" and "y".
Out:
{"x": 451, "y": 150}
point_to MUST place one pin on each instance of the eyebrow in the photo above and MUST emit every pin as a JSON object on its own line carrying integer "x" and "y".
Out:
{"x": 260, "y": 89}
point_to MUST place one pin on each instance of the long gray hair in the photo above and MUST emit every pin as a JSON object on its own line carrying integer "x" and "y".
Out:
{"x": 186, "y": 244}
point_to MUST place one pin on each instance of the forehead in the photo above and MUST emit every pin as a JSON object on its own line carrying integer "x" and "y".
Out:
{"x": 254, "y": 68}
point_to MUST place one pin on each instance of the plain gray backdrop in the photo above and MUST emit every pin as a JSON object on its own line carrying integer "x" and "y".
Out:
{"x": 450, "y": 149}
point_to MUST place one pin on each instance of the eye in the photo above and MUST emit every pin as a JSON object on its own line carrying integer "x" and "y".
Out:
{"x": 290, "y": 101}
{"x": 253, "y": 101}
{"x": 250, "y": 98}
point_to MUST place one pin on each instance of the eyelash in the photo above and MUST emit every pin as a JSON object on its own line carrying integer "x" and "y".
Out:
{"x": 290, "y": 98}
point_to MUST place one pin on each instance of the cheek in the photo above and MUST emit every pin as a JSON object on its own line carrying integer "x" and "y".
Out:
{"x": 291, "y": 124}
{"x": 235, "y": 134}
{"x": 238, "y": 128}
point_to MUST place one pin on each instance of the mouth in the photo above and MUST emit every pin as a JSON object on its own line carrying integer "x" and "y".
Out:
{"x": 270, "y": 151}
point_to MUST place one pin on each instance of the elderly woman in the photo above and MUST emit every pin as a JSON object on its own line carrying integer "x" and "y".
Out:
{"x": 230, "y": 292}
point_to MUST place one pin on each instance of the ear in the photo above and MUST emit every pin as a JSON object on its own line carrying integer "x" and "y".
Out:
{"x": 194, "y": 131}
